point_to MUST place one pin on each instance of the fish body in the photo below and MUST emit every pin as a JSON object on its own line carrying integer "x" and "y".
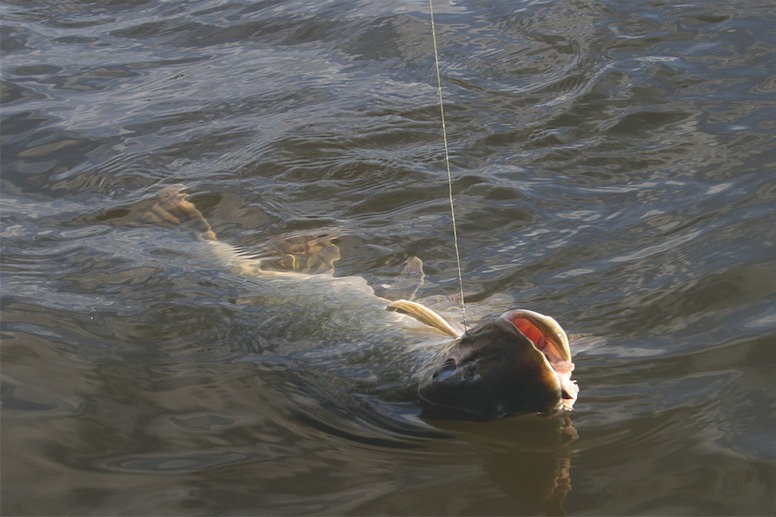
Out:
{"x": 339, "y": 329}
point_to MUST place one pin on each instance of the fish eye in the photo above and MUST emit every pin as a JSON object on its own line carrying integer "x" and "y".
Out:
{"x": 448, "y": 366}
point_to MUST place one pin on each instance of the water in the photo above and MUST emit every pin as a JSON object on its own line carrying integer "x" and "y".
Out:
{"x": 613, "y": 166}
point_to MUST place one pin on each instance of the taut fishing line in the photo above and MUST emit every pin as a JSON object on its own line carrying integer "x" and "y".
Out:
{"x": 447, "y": 162}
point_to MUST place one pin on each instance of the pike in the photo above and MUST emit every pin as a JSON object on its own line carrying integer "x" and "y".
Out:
{"x": 397, "y": 350}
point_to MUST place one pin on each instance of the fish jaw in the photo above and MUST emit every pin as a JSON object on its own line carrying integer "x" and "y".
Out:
{"x": 551, "y": 340}
{"x": 509, "y": 365}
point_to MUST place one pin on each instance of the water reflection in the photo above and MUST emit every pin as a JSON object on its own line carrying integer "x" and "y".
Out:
{"x": 529, "y": 457}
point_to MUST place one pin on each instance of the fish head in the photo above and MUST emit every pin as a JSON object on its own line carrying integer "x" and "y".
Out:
{"x": 519, "y": 362}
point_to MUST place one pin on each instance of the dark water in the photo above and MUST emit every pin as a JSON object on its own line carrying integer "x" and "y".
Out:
{"x": 613, "y": 166}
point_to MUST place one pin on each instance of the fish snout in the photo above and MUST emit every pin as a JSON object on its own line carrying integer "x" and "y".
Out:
{"x": 516, "y": 363}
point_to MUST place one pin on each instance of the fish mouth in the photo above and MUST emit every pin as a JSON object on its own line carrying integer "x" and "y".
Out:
{"x": 549, "y": 338}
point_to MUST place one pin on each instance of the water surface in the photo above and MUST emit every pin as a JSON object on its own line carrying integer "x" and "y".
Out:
{"x": 613, "y": 166}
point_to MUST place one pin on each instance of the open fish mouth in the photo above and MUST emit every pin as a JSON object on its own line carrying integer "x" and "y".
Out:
{"x": 517, "y": 363}
{"x": 549, "y": 338}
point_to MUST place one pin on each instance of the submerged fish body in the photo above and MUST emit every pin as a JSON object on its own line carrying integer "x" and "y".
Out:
{"x": 337, "y": 327}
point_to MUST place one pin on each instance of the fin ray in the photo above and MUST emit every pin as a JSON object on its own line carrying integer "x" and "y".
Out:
{"x": 424, "y": 315}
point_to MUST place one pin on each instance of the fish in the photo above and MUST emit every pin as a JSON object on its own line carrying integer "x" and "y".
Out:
{"x": 389, "y": 346}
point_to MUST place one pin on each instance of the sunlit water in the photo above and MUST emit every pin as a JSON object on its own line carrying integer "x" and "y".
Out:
{"x": 613, "y": 166}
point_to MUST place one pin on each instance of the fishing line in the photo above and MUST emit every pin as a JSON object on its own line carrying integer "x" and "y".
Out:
{"x": 447, "y": 162}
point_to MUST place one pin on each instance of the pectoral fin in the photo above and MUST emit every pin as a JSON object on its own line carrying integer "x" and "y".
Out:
{"x": 424, "y": 315}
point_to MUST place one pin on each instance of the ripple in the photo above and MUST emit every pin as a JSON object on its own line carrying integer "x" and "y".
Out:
{"x": 172, "y": 463}
{"x": 611, "y": 167}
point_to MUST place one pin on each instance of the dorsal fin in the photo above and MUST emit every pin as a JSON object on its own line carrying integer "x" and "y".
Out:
{"x": 424, "y": 315}
{"x": 310, "y": 253}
